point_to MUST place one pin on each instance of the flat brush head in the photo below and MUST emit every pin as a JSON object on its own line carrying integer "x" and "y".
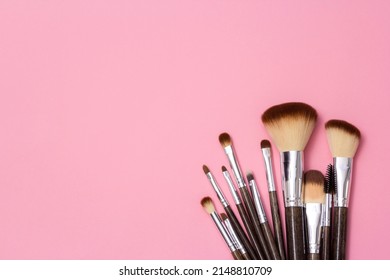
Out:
{"x": 290, "y": 125}
{"x": 329, "y": 180}
{"x": 208, "y": 204}
{"x": 314, "y": 187}
{"x": 224, "y": 216}
{"x": 264, "y": 144}
{"x": 225, "y": 139}
{"x": 343, "y": 138}
{"x": 206, "y": 169}
{"x": 224, "y": 169}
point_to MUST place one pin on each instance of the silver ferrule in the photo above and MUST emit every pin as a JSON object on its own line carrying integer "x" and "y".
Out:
{"x": 313, "y": 222}
{"x": 235, "y": 166}
{"x": 217, "y": 189}
{"x": 268, "y": 169}
{"x": 232, "y": 187}
{"x": 292, "y": 177}
{"x": 223, "y": 231}
{"x": 343, "y": 171}
{"x": 326, "y": 210}
{"x": 236, "y": 240}
{"x": 257, "y": 201}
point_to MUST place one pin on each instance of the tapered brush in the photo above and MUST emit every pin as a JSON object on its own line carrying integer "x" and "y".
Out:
{"x": 243, "y": 214}
{"x": 236, "y": 240}
{"x": 327, "y": 213}
{"x": 343, "y": 139}
{"x": 227, "y": 145}
{"x": 290, "y": 126}
{"x": 208, "y": 206}
{"x": 314, "y": 199}
{"x": 269, "y": 238}
{"x": 265, "y": 146}
{"x": 232, "y": 217}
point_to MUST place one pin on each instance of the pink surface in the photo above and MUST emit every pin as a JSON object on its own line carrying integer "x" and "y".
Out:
{"x": 109, "y": 109}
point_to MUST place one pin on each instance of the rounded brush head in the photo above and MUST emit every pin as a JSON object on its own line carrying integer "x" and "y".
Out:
{"x": 224, "y": 139}
{"x": 314, "y": 187}
{"x": 290, "y": 125}
{"x": 264, "y": 144}
{"x": 207, "y": 204}
{"x": 224, "y": 169}
{"x": 343, "y": 138}
{"x": 206, "y": 169}
{"x": 249, "y": 176}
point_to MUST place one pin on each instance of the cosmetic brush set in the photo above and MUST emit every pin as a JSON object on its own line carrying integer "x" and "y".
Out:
{"x": 315, "y": 206}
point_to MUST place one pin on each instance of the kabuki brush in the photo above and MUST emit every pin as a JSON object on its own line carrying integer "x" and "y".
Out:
{"x": 327, "y": 213}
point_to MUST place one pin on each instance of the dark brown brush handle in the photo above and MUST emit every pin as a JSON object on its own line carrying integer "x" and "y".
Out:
{"x": 339, "y": 233}
{"x": 270, "y": 241}
{"x": 236, "y": 255}
{"x": 240, "y": 232}
{"x": 279, "y": 239}
{"x": 313, "y": 257}
{"x": 245, "y": 256}
{"x": 325, "y": 244}
{"x": 295, "y": 233}
{"x": 255, "y": 220}
{"x": 250, "y": 230}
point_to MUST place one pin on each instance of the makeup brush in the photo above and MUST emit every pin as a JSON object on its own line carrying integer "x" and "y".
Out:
{"x": 243, "y": 214}
{"x": 208, "y": 206}
{"x": 314, "y": 198}
{"x": 233, "y": 219}
{"x": 327, "y": 213}
{"x": 343, "y": 139}
{"x": 227, "y": 145}
{"x": 273, "y": 198}
{"x": 236, "y": 240}
{"x": 269, "y": 239}
{"x": 290, "y": 126}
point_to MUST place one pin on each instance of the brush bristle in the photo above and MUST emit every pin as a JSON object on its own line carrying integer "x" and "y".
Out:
{"x": 264, "y": 144}
{"x": 225, "y": 139}
{"x": 224, "y": 169}
{"x": 314, "y": 187}
{"x": 343, "y": 138}
{"x": 249, "y": 176}
{"x": 208, "y": 204}
{"x": 224, "y": 216}
{"x": 329, "y": 180}
{"x": 290, "y": 125}
{"x": 206, "y": 169}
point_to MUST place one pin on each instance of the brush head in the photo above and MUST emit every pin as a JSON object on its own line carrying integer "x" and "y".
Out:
{"x": 314, "y": 187}
{"x": 264, "y": 144}
{"x": 225, "y": 139}
{"x": 343, "y": 138}
{"x": 206, "y": 169}
{"x": 249, "y": 176}
{"x": 329, "y": 179}
{"x": 208, "y": 204}
{"x": 224, "y": 169}
{"x": 290, "y": 125}
{"x": 224, "y": 216}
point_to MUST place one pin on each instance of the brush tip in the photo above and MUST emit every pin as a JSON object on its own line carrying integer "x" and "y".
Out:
{"x": 206, "y": 169}
{"x": 344, "y": 126}
{"x": 314, "y": 187}
{"x": 224, "y": 216}
{"x": 343, "y": 138}
{"x": 207, "y": 204}
{"x": 288, "y": 109}
{"x": 224, "y": 169}
{"x": 264, "y": 144}
{"x": 224, "y": 139}
{"x": 329, "y": 179}
{"x": 249, "y": 176}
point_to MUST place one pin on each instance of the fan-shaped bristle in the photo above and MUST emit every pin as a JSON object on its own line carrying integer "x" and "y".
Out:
{"x": 225, "y": 139}
{"x": 314, "y": 187}
{"x": 343, "y": 138}
{"x": 208, "y": 204}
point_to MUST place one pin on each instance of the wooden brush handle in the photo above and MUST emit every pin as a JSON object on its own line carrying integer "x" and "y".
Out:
{"x": 251, "y": 232}
{"x": 339, "y": 233}
{"x": 237, "y": 255}
{"x": 255, "y": 220}
{"x": 313, "y": 257}
{"x": 245, "y": 256}
{"x": 270, "y": 241}
{"x": 325, "y": 244}
{"x": 240, "y": 232}
{"x": 279, "y": 239}
{"x": 295, "y": 233}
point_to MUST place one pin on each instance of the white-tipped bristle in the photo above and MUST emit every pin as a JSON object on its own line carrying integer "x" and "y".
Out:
{"x": 343, "y": 138}
{"x": 208, "y": 204}
{"x": 314, "y": 187}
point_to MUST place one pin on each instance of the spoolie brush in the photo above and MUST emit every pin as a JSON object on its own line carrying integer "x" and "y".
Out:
{"x": 290, "y": 126}
{"x": 343, "y": 139}
{"x": 327, "y": 213}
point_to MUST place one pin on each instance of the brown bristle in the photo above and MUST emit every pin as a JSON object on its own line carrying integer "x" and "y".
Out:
{"x": 224, "y": 216}
{"x": 225, "y": 139}
{"x": 249, "y": 176}
{"x": 290, "y": 125}
{"x": 208, "y": 204}
{"x": 206, "y": 169}
{"x": 224, "y": 169}
{"x": 343, "y": 138}
{"x": 314, "y": 187}
{"x": 264, "y": 144}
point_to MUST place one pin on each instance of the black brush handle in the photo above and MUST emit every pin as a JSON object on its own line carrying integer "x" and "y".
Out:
{"x": 270, "y": 241}
{"x": 240, "y": 232}
{"x": 251, "y": 232}
{"x": 245, "y": 256}
{"x": 295, "y": 233}
{"x": 313, "y": 257}
{"x": 325, "y": 244}
{"x": 339, "y": 233}
{"x": 255, "y": 220}
{"x": 279, "y": 239}
{"x": 236, "y": 255}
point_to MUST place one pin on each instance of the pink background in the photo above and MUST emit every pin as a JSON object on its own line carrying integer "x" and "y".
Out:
{"x": 109, "y": 109}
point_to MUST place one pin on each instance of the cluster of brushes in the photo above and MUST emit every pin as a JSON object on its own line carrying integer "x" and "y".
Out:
{"x": 315, "y": 205}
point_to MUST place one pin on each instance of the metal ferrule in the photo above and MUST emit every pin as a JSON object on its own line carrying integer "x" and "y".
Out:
{"x": 343, "y": 171}
{"x": 313, "y": 222}
{"x": 223, "y": 231}
{"x": 232, "y": 187}
{"x": 236, "y": 241}
{"x": 292, "y": 177}
{"x": 326, "y": 210}
{"x": 257, "y": 201}
{"x": 235, "y": 166}
{"x": 217, "y": 189}
{"x": 268, "y": 169}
